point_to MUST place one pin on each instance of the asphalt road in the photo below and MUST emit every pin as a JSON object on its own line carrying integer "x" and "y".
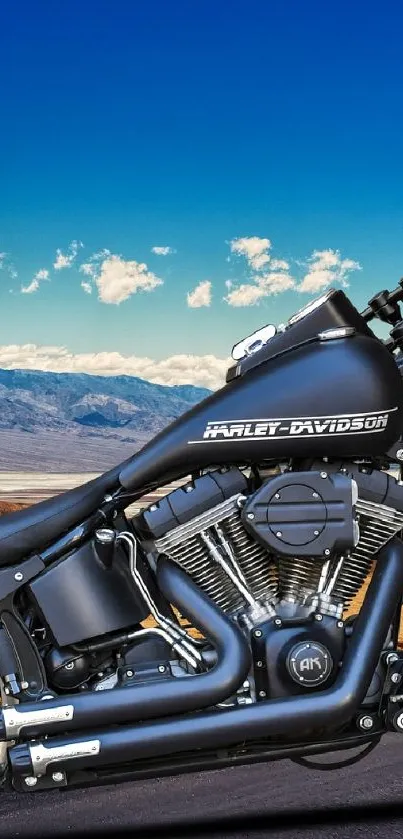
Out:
{"x": 273, "y": 799}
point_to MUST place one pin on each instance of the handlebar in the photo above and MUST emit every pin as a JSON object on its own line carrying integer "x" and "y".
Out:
{"x": 385, "y": 306}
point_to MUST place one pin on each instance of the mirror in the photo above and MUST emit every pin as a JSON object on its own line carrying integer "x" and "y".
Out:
{"x": 253, "y": 342}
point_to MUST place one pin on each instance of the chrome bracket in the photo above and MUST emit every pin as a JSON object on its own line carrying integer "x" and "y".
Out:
{"x": 15, "y": 720}
{"x": 42, "y": 756}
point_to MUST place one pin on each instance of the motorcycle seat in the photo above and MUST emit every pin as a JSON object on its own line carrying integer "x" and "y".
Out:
{"x": 33, "y": 529}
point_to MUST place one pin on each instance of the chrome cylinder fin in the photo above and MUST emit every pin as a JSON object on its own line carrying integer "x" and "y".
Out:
{"x": 257, "y": 566}
{"x": 378, "y": 524}
{"x": 194, "y": 557}
{"x": 298, "y": 578}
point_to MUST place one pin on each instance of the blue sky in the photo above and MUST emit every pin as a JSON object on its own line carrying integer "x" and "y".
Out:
{"x": 206, "y": 128}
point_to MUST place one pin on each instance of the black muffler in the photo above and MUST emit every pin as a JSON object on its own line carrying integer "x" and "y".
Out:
{"x": 329, "y": 709}
{"x": 148, "y": 701}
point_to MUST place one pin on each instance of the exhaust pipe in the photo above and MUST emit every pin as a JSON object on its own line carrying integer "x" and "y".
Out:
{"x": 147, "y": 701}
{"x": 330, "y": 708}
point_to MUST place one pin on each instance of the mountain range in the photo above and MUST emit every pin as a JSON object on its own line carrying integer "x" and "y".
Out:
{"x": 80, "y": 422}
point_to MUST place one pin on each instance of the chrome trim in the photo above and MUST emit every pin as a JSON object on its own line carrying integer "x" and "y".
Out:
{"x": 41, "y": 756}
{"x": 307, "y": 310}
{"x": 226, "y": 566}
{"x": 253, "y": 343}
{"x": 336, "y": 333}
{"x": 105, "y": 535}
{"x": 192, "y": 528}
{"x": 178, "y": 637}
{"x": 15, "y": 720}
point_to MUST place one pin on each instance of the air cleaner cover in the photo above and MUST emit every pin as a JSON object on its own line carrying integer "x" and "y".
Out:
{"x": 304, "y": 514}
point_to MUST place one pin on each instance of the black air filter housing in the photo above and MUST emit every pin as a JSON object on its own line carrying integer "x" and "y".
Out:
{"x": 304, "y": 514}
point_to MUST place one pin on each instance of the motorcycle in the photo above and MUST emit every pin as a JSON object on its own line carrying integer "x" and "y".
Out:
{"x": 289, "y": 500}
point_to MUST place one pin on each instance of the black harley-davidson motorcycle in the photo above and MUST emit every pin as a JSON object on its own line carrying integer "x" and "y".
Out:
{"x": 291, "y": 500}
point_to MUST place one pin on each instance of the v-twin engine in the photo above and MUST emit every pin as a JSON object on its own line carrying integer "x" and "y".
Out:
{"x": 250, "y": 570}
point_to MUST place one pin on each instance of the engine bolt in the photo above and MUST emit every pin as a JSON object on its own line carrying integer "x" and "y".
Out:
{"x": 259, "y": 664}
{"x": 323, "y": 474}
{"x": 58, "y": 777}
{"x": 18, "y": 576}
{"x": 279, "y": 534}
{"x": 315, "y": 495}
{"x": 31, "y": 781}
{"x": 161, "y": 668}
{"x": 129, "y": 673}
{"x": 316, "y": 532}
{"x": 366, "y": 723}
{"x": 391, "y": 658}
{"x": 318, "y": 617}
{"x": 395, "y": 678}
{"x": 277, "y": 622}
{"x": 251, "y": 516}
{"x": 258, "y": 633}
{"x": 399, "y": 454}
{"x": 262, "y": 693}
{"x": 340, "y": 624}
{"x": 327, "y": 552}
{"x": 277, "y": 495}
{"x": 399, "y": 721}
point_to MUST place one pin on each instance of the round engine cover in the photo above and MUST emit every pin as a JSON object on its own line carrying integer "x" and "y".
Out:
{"x": 304, "y": 514}
{"x": 67, "y": 669}
{"x": 294, "y": 498}
{"x": 309, "y": 663}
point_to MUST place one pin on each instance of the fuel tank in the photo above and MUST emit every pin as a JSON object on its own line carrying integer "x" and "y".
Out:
{"x": 337, "y": 398}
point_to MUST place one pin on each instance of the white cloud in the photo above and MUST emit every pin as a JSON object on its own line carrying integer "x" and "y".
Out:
{"x": 119, "y": 278}
{"x": 29, "y": 289}
{"x": 316, "y": 280}
{"x": 325, "y": 268}
{"x": 272, "y": 276}
{"x": 269, "y": 277}
{"x": 275, "y": 282}
{"x": 92, "y": 268}
{"x": 8, "y": 266}
{"x": 254, "y": 249}
{"x": 245, "y": 295}
{"x": 162, "y": 251}
{"x": 279, "y": 265}
{"x": 88, "y": 269}
{"x": 116, "y": 278}
{"x": 204, "y": 371}
{"x": 259, "y": 261}
{"x": 200, "y": 296}
{"x": 42, "y": 274}
{"x": 65, "y": 260}
{"x": 266, "y": 285}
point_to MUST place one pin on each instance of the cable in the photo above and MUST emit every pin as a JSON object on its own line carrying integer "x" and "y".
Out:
{"x": 326, "y": 767}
